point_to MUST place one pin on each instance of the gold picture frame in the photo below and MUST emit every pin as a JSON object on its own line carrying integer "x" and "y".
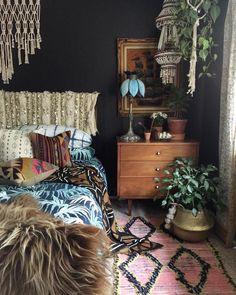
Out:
{"x": 138, "y": 55}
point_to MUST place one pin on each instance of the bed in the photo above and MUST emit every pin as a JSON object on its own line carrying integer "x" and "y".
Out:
{"x": 71, "y": 203}
{"x": 72, "y": 194}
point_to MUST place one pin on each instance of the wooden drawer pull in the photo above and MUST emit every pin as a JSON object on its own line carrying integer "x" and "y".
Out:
{"x": 158, "y": 153}
{"x": 157, "y": 169}
{"x": 157, "y": 186}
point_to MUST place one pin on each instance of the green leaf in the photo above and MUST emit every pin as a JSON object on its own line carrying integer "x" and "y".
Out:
{"x": 164, "y": 203}
{"x": 203, "y": 53}
{"x": 166, "y": 180}
{"x": 200, "y": 41}
{"x": 206, "y": 5}
{"x": 194, "y": 182}
{"x": 205, "y": 44}
{"x": 198, "y": 196}
{"x": 215, "y": 56}
{"x": 206, "y": 185}
{"x": 189, "y": 188}
{"x": 215, "y": 12}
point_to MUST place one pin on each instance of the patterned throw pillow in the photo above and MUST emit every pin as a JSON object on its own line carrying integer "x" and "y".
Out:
{"x": 84, "y": 154}
{"x": 25, "y": 171}
{"x": 14, "y": 144}
{"x": 52, "y": 149}
{"x": 78, "y": 139}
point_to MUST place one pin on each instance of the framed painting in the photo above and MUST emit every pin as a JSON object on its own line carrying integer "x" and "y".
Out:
{"x": 139, "y": 55}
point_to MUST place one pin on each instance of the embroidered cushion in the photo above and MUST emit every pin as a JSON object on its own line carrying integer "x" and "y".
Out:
{"x": 52, "y": 149}
{"x": 25, "y": 171}
{"x": 79, "y": 154}
{"x": 14, "y": 144}
{"x": 78, "y": 139}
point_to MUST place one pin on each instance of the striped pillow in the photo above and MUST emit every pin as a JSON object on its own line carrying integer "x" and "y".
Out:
{"x": 53, "y": 150}
{"x": 78, "y": 138}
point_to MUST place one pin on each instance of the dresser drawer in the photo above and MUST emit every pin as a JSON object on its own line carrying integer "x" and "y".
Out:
{"x": 143, "y": 168}
{"x": 141, "y": 187}
{"x": 161, "y": 152}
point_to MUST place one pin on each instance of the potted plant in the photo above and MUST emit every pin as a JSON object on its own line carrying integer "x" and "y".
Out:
{"x": 178, "y": 103}
{"x": 196, "y": 21}
{"x": 158, "y": 120}
{"x": 146, "y": 131}
{"x": 195, "y": 193}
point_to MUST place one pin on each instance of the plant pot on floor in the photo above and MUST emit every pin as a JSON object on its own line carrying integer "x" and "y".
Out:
{"x": 177, "y": 128}
{"x": 192, "y": 228}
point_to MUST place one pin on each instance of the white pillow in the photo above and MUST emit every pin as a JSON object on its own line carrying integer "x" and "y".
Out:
{"x": 14, "y": 144}
{"x": 78, "y": 139}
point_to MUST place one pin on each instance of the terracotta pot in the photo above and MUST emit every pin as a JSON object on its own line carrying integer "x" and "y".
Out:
{"x": 192, "y": 228}
{"x": 177, "y": 128}
{"x": 147, "y": 136}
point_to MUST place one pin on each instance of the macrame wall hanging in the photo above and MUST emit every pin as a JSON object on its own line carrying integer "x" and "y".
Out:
{"x": 20, "y": 29}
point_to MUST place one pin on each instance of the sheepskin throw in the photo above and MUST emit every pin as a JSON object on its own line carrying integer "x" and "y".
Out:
{"x": 20, "y": 27}
{"x": 40, "y": 255}
{"x": 69, "y": 108}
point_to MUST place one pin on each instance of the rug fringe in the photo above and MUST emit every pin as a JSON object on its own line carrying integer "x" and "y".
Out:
{"x": 116, "y": 275}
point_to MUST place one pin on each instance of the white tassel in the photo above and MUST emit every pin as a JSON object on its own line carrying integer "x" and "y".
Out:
{"x": 193, "y": 61}
{"x": 193, "y": 58}
{"x": 22, "y": 18}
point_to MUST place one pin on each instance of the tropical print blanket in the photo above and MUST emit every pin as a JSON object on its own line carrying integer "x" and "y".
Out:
{"x": 79, "y": 195}
{"x": 71, "y": 203}
{"x": 85, "y": 176}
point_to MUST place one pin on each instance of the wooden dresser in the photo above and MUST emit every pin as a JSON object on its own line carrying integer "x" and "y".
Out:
{"x": 140, "y": 163}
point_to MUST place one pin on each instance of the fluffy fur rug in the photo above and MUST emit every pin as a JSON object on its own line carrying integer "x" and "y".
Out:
{"x": 40, "y": 255}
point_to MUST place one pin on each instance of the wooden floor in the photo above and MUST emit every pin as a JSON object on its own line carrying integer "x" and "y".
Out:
{"x": 148, "y": 209}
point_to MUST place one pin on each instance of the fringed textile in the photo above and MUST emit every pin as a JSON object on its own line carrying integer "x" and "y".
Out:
{"x": 67, "y": 108}
{"x": 20, "y": 27}
{"x": 122, "y": 239}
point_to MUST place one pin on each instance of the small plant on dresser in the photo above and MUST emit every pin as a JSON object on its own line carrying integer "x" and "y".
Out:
{"x": 178, "y": 104}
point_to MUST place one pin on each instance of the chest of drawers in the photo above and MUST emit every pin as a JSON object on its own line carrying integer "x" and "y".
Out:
{"x": 141, "y": 163}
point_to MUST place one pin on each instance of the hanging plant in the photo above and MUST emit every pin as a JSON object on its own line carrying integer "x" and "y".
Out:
{"x": 195, "y": 30}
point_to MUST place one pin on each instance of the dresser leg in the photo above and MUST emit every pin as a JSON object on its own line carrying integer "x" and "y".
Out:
{"x": 129, "y": 207}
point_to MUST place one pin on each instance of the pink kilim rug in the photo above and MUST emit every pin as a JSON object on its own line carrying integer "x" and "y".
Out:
{"x": 177, "y": 268}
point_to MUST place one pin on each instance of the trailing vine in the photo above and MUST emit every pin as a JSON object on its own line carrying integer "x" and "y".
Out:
{"x": 195, "y": 31}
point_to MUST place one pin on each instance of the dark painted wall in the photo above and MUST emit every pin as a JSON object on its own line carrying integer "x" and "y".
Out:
{"x": 204, "y": 115}
{"x": 79, "y": 54}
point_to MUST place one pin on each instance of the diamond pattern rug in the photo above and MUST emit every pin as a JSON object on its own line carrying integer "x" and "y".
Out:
{"x": 178, "y": 268}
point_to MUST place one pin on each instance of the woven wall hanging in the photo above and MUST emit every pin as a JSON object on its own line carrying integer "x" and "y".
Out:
{"x": 20, "y": 29}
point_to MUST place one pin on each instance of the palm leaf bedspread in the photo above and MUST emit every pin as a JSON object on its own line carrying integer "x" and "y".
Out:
{"x": 79, "y": 195}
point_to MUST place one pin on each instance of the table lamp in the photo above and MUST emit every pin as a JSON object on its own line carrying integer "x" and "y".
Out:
{"x": 131, "y": 87}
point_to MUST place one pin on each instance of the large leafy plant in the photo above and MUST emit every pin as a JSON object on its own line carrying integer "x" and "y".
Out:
{"x": 196, "y": 19}
{"x": 193, "y": 188}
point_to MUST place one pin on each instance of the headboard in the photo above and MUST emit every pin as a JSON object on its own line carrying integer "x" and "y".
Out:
{"x": 66, "y": 108}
